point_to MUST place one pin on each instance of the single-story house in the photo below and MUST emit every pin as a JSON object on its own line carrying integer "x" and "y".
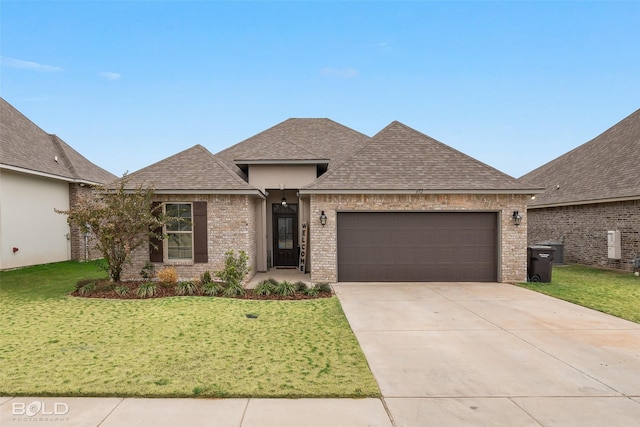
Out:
{"x": 315, "y": 195}
{"x": 591, "y": 201}
{"x": 39, "y": 172}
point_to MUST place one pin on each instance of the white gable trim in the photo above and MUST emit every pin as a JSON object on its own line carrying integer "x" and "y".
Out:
{"x": 47, "y": 175}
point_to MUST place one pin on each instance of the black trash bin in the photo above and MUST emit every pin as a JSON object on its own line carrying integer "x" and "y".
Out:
{"x": 558, "y": 255}
{"x": 540, "y": 263}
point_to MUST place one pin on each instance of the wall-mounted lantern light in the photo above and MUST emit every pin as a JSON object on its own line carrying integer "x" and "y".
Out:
{"x": 517, "y": 218}
{"x": 323, "y": 219}
{"x": 284, "y": 199}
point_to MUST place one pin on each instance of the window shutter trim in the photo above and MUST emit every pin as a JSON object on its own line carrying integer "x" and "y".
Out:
{"x": 200, "y": 247}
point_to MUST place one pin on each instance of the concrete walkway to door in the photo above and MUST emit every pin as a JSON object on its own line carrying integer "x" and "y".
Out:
{"x": 451, "y": 354}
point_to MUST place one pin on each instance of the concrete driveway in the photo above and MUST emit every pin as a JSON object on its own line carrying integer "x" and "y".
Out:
{"x": 450, "y": 354}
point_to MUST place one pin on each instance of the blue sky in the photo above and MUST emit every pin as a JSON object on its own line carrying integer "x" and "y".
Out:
{"x": 511, "y": 83}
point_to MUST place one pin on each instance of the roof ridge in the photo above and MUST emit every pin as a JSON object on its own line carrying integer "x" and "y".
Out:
{"x": 597, "y": 139}
{"x": 167, "y": 158}
{"x": 24, "y": 116}
{"x": 227, "y": 169}
{"x": 292, "y": 119}
{"x": 337, "y": 167}
{"x": 605, "y": 167}
{"x": 195, "y": 154}
{"x": 345, "y": 127}
{"x": 443, "y": 145}
{"x": 282, "y": 139}
{"x": 402, "y": 158}
{"x": 60, "y": 149}
{"x": 301, "y": 147}
{"x": 252, "y": 136}
{"x": 27, "y": 146}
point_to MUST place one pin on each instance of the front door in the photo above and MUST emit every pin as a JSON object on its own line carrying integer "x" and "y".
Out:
{"x": 285, "y": 235}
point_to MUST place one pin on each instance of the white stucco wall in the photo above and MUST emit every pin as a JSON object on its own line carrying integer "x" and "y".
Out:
{"x": 281, "y": 176}
{"x": 28, "y": 221}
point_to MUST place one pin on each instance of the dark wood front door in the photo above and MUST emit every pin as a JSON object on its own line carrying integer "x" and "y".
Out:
{"x": 285, "y": 235}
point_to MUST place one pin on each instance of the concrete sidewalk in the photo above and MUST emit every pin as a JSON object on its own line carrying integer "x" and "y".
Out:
{"x": 116, "y": 412}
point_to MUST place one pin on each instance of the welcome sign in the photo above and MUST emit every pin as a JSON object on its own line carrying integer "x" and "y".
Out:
{"x": 303, "y": 248}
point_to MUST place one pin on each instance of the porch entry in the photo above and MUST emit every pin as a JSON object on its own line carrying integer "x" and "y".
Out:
{"x": 285, "y": 235}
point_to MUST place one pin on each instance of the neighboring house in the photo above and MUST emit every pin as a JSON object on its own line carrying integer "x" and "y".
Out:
{"x": 589, "y": 192}
{"x": 39, "y": 173}
{"x": 315, "y": 195}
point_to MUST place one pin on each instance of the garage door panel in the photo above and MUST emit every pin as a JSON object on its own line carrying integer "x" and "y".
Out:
{"x": 417, "y": 246}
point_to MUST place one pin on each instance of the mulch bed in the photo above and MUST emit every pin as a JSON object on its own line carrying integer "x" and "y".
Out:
{"x": 106, "y": 290}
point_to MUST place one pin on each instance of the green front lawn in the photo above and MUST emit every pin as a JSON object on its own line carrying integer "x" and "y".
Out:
{"x": 603, "y": 290}
{"x": 53, "y": 344}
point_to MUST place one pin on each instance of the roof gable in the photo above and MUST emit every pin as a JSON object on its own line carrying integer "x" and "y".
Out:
{"x": 605, "y": 168}
{"x": 323, "y": 138}
{"x": 26, "y": 147}
{"x": 192, "y": 170}
{"x": 400, "y": 158}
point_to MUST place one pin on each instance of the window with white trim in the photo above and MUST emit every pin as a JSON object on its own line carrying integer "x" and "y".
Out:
{"x": 179, "y": 242}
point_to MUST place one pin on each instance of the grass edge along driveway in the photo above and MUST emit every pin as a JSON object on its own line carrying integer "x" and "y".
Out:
{"x": 56, "y": 345}
{"x": 611, "y": 292}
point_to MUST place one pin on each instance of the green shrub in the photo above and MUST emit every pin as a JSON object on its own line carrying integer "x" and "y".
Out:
{"x": 211, "y": 288}
{"x": 105, "y": 286}
{"x": 285, "y": 288}
{"x": 265, "y": 287}
{"x": 323, "y": 288}
{"x": 87, "y": 287}
{"x": 148, "y": 270}
{"x": 122, "y": 290}
{"x": 233, "y": 290}
{"x": 147, "y": 289}
{"x": 206, "y": 277}
{"x": 301, "y": 287}
{"x": 235, "y": 269}
{"x": 186, "y": 288}
{"x": 81, "y": 283}
{"x": 312, "y": 292}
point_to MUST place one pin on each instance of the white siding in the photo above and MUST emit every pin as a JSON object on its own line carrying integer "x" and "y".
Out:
{"x": 28, "y": 221}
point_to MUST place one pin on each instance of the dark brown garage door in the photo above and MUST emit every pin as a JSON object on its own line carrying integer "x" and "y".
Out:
{"x": 417, "y": 246}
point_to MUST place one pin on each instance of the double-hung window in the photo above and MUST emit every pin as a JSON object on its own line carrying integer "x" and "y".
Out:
{"x": 179, "y": 232}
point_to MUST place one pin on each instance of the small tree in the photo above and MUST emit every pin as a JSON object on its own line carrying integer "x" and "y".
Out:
{"x": 234, "y": 272}
{"x": 121, "y": 221}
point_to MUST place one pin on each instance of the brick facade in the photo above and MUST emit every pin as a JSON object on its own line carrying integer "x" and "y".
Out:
{"x": 583, "y": 229}
{"x": 513, "y": 239}
{"x": 81, "y": 249}
{"x": 231, "y": 225}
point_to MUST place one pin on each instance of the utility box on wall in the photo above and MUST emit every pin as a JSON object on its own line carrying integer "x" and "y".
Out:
{"x": 613, "y": 244}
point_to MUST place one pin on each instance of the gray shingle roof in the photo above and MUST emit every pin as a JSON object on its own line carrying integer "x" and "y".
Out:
{"x": 605, "y": 168}
{"x": 400, "y": 158}
{"x": 192, "y": 170}
{"x": 323, "y": 138}
{"x": 280, "y": 150}
{"x": 26, "y": 147}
